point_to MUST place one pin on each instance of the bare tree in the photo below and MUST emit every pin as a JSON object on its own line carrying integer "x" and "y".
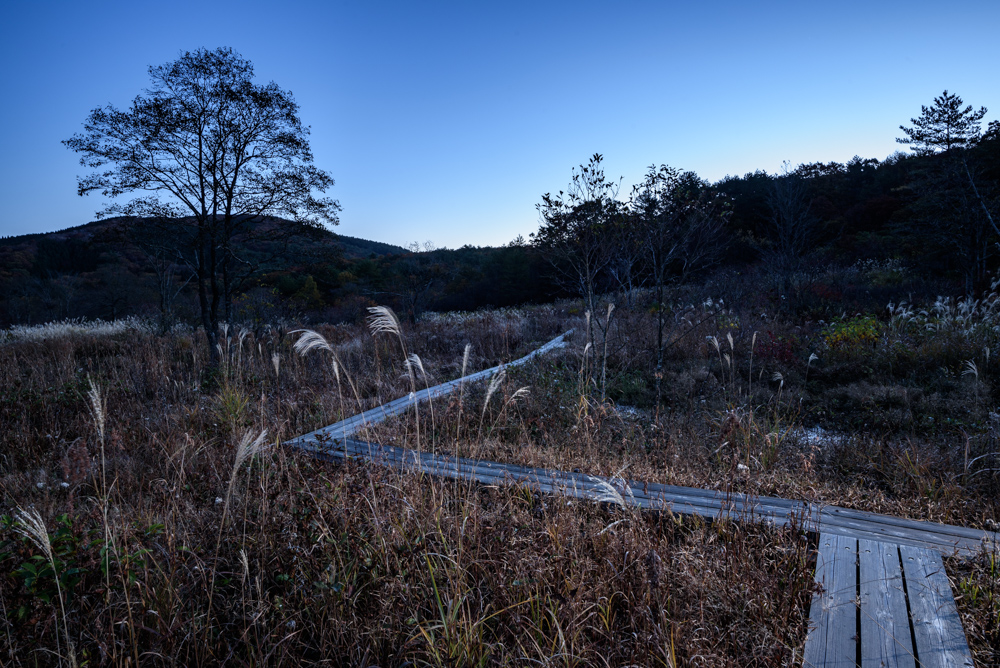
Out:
{"x": 214, "y": 153}
{"x": 576, "y": 229}
{"x": 794, "y": 229}
{"x": 679, "y": 222}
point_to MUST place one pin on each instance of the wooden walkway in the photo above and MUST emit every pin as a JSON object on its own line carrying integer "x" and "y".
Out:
{"x": 884, "y": 601}
{"x": 352, "y": 425}
{"x": 883, "y": 604}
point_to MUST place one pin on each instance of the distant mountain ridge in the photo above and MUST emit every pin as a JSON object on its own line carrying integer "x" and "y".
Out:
{"x": 353, "y": 247}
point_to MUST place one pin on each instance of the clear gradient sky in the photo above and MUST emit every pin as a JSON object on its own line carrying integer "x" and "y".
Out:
{"x": 448, "y": 121}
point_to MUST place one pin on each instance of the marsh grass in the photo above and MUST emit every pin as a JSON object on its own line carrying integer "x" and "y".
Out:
{"x": 192, "y": 553}
{"x": 29, "y": 524}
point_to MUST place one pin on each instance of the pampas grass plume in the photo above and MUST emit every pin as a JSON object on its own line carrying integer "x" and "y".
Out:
{"x": 495, "y": 382}
{"x": 382, "y": 319}
{"x": 96, "y": 407}
{"x": 29, "y": 524}
{"x": 309, "y": 341}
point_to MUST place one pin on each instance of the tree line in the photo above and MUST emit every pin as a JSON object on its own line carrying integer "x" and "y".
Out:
{"x": 228, "y": 218}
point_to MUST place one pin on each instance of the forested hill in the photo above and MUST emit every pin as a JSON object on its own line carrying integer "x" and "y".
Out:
{"x": 116, "y": 266}
{"x": 354, "y": 247}
{"x": 930, "y": 215}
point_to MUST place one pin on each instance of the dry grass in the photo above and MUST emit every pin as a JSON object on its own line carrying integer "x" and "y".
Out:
{"x": 172, "y": 544}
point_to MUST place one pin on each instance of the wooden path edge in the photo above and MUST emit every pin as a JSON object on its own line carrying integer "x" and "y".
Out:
{"x": 873, "y": 628}
{"x": 334, "y": 442}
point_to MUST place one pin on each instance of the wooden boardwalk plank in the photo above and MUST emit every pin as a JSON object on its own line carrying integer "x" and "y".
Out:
{"x": 852, "y": 621}
{"x": 885, "y": 622}
{"x": 695, "y": 501}
{"x": 811, "y": 517}
{"x": 686, "y": 500}
{"x": 348, "y": 427}
{"x": 937, "y": 628}
{"x": 832, "y": 638}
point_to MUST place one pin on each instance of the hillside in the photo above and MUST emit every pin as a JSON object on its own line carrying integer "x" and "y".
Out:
{"x": 355, "y": 247}
{"x": 113, "y": 267}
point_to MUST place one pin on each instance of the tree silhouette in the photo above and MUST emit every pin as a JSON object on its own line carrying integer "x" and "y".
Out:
{"x": 943, "y": 126}
{"x": 575, "y": 231}
{"x": 212, "y": 155}
{"x": 677, "y": 222}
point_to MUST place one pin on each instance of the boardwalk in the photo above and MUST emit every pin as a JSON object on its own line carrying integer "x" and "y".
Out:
{"x": 883, "y": 605}
{"x": 884, "y": 600}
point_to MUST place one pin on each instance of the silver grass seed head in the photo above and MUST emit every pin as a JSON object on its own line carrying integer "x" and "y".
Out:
{"x": 96, "y": 406}
{"x": 382, "y": 319}
{"x": 495, "y": 382}
{"x": 465, "y": 358}
{"x": 607, "y": 493}
{"x": 248, "y": 447}
{"x": 414, "y": 362}
{"x": 245, "y": 562}
{"x": 309, "y": 341}
{"x": 29, "y": 524}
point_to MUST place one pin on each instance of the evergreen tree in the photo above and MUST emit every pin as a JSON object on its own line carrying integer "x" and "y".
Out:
{"x": 943, "y": 126}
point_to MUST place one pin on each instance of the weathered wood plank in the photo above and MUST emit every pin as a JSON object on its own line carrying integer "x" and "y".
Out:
{"x": 819, "y": 518}
{"x": 885, "y": 622}
{"x": 710, "y": 503}
{"x": 836, "y": 511}
{"x": 937, "y": 629}
{"x": 346, "y": 428}
{"x": 832, "y": 638}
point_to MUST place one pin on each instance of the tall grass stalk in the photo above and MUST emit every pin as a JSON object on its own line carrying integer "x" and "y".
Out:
{"x": 248, "y": 447}
{"x": 97, "y": 407}
{"x": 494, "y": 385}
{"x": 384, "y": 321}
{"x": 604, "y": 360}
{"x": 98, "y": 411}
{"x": 414, "y": 361}
{"x": 521, "y": 392}
{"x": 29, "y": 524}
{"x": 311, "y": 340}
{"x": 584, "y": 383}
{"x": 461, "y": 393}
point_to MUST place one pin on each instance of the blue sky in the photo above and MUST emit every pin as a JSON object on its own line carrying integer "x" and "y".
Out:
{"x": 448, "y": 121}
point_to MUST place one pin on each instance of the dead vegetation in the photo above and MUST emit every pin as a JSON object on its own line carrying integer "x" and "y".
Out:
{"x": 178, "y": 536}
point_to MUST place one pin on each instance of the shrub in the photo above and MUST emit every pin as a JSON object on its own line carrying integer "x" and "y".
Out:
{"x": 847, "y": 333}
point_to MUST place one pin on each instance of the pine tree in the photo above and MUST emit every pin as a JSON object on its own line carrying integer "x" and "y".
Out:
{"x": 943, "y": 126}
